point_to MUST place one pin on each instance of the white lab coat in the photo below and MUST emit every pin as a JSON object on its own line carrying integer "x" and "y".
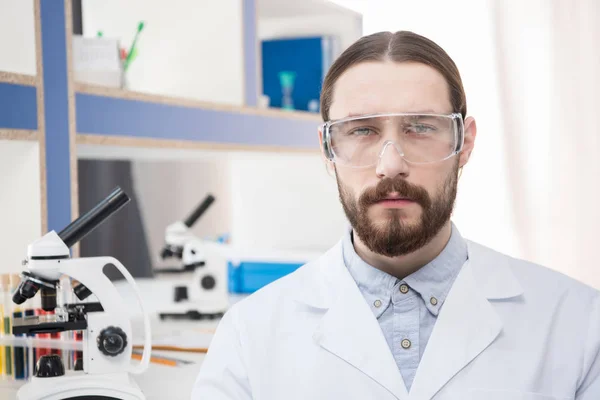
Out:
{"x": 508, "y": 330}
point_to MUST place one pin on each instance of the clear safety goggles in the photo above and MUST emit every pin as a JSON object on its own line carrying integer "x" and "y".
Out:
{"x": 419, "y": 138}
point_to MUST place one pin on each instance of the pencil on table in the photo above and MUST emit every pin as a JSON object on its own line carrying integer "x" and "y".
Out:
{"x": 175, "y": 348}
{"x": 162, "y": 360}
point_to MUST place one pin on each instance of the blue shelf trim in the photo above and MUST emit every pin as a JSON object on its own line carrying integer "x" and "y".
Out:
{"x": 56, "y": 113}
{"x": 18, "y": 107}
{"x": 110, "y": 116}
{"x": 250, "y": 50}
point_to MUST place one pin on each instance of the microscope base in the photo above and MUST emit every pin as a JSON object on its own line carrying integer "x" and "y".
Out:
{"x": 78, "y": 385}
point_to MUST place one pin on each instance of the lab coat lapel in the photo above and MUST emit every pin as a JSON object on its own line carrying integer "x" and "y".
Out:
{"x": 466, "y": 326}
{"x": 350, "y": 331}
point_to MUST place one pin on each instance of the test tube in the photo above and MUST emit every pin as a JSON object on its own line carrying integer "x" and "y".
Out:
{"x": 3, "y": 289}
{"x": 7, "y": 306}
{"x": 30, "y": 351}
{"x": 18, "y": 351}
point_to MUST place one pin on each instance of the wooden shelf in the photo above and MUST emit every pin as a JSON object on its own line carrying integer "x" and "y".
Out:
{"x": 164, "y": 144}
{"x": 136, "y": 119}
{"x": 190, "y": 103}
{"x": 18, "y": 79}
{"x": 19, "y": 134}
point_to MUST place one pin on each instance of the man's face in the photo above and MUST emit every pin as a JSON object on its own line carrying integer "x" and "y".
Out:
{"x": 396, "y": 207}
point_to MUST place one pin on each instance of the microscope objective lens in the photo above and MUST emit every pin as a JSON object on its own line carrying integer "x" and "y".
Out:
{"x": 48, "y": 296}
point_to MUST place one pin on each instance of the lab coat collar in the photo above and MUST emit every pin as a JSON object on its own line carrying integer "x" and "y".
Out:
{"x": 468, "y": 323}
{"x": 348, "y": 330}
{"x": 466, "y": 326}
{"x": 492, "y": 272}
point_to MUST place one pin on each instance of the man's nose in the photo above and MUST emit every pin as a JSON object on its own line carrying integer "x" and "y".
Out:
{"x": 391, "y": 161}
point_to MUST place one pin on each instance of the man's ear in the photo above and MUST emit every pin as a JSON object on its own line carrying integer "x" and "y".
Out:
{"x": 328, "y": 163}
{"x": 469, "y": 141}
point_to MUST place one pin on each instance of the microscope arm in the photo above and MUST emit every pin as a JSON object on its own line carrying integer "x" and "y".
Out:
{"x": 89, "y": 271}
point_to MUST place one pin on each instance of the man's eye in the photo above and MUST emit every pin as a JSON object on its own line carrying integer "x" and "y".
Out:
{"x": 361, "y": 132}
{"x": 419, "y": 128}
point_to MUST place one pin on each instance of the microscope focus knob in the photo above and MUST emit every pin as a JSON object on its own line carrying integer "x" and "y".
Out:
{"x": 208, "y": 282}
{"x": 49, "y": 366}
{"x": 112, "y": 341}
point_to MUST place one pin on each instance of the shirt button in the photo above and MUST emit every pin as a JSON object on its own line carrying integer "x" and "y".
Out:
{"x": 405, "y": 344}
{"x": 377, "y": 303}
{"x": 433, "y": 301}
{"x": 403, "y": 289}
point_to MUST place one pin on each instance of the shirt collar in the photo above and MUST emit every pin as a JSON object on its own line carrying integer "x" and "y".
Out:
{"x": 432, "y": 281}
{"x": 373, "y": 283}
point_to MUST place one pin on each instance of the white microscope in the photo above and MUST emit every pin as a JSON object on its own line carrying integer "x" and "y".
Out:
{"x": 107, "y": 333}
{"x": 199, "y": 282}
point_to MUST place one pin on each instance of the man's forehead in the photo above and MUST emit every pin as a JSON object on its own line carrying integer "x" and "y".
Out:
{"x": 390, "y": 87}
{"x": 415, "y": 111}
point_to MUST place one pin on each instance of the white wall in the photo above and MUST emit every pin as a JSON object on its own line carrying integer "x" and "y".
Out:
{"x": 189, "y": 48}
{"x": 17, "y": 37}
{"x": 284, "y": 202}
{"x": 265, "y": 201}
{"x": 168, "y": 191}
{"x": 20, "y": 202}
{"x": 347, "y": 27}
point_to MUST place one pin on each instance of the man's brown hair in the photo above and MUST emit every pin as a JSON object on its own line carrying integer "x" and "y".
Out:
{"x": 402, "y": 46}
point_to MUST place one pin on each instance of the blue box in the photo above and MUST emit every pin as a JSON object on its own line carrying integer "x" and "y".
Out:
{"x": 249, "y": 276}
{"x": 308, "y": 57}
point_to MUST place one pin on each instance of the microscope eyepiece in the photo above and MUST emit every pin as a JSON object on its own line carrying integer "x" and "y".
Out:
{"x": 198, "y": 211}
{"x": 89, "y": 221}
{"x": 25, "y": 291}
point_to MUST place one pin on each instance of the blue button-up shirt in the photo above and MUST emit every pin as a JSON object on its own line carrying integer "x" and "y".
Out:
{"x": 407, "y": 309}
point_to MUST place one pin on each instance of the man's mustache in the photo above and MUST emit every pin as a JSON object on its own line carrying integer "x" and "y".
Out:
{"x": 396, "y": 185}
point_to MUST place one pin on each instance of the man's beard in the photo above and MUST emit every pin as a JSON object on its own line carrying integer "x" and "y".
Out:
{"x": 393, "y": 237}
